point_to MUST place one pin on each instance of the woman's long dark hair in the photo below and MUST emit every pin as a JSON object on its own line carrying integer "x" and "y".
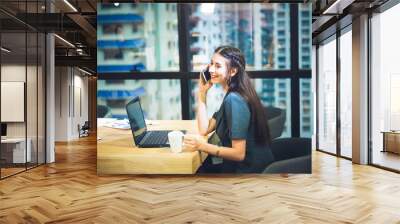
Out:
{"x": 241, "y": 84}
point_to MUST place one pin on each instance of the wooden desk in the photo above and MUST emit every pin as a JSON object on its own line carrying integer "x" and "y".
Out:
{"x": 116, "y": 153}
{"x": 391, "y": 141}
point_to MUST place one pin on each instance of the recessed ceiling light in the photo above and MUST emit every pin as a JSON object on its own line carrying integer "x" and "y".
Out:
{"x": 65, "y": 41}
{"x": 70, "y": 5}
{"x": 5, "y": 49}
{"x": 207, "y": 8}
{"x": 116, "y": 4}
{"x": 84, "y": 71}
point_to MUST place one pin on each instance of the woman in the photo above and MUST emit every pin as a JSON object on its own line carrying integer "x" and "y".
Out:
{"x": 240, "y": 143}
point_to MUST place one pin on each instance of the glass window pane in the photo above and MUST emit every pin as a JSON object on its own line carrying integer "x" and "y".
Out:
{"x": 385, "y": 87}
{"x": 306, "y": 108}
{"x": 160, "y": 99}
{"x": 276, "y": 93}
{"x": 137, "y": 37}
{"x": 305, "y": 36}
{"x": 327, "y": 97}
{"x": 13, "y": 84}
{"x": 261, "y": 31}
{"x": 272, "y": 93}
{"x": 346, "y": 94}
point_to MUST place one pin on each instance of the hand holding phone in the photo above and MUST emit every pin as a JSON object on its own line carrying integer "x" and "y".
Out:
{"x": 205, "y": 74}
{"x": 204, "y": 83}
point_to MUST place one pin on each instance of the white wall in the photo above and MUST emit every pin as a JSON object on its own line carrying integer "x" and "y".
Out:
{"x": 71, "y": 102}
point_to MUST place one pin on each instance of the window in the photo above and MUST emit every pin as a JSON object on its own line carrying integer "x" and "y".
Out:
{"x": 240, "y": 31}
{"x": 147, "y": 40}
{"x": 112, "y": 29}
{"x": 266, "y": 89}
{"x": 135, "y": 28}
{"x": 114, "y": 81}
{"x": 160, "y": 99}
{"x": 113, "y": 54}
{"x": 346, "y": 94}
{"x": 305, "y": 36}
{"x": 274, "y": 92}
{"x": 145, "y": 47}
{"x": 327, "y": 96}
{"x": 305, "y": 14}
{"x": 385, "y": 84}
{"x": 19, "y": 77}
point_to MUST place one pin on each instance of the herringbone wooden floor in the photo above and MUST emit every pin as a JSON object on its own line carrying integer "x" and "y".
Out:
{"x": 69, "y": 191}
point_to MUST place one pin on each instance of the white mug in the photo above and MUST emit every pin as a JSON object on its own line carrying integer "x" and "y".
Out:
{"x": 175, "y": 139}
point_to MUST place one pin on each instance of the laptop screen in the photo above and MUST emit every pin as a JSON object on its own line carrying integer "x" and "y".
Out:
{"x": 136, "y": 118}
{"x": 3, "y": 129}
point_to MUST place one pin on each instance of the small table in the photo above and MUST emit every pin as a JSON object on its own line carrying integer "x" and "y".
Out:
{"x": 391, "y": 141}
{"x": 117, "y": 154}
{"x": 18, "y": 150}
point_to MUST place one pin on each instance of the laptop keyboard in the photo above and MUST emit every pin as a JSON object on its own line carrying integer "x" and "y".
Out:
{"x": 156, "y": 137}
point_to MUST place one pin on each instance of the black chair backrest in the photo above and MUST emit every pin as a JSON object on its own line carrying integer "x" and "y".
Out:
{"x": 276, "y": 121}
{"x": 86, "y": 125}
{"x": 102, "y": 111}
{"x": 288, "y": 148}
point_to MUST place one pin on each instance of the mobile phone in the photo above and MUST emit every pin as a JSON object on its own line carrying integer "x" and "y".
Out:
{"x": 206, "y": 75}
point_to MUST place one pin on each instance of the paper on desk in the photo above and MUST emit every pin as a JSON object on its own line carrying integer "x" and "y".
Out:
{"x": 104, "y": 121}
{"x": 119, "y": 124}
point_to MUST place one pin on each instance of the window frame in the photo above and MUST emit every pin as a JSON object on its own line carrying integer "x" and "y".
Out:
{"x": 336, "y": 36}
{"x": 294, "y": 73}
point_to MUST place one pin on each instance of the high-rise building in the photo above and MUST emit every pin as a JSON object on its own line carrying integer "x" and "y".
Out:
{"x": 139, "y": 37}
{"x": 305, "y": 63}
{"x": 275, "y": 39}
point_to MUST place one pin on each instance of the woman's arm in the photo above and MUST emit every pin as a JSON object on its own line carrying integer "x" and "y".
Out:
{"x": 205, "y": 126}
{"x": 202, "y": 120}
{"x": 236, "y": 153}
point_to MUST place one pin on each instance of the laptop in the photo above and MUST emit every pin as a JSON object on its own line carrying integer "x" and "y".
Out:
{"x": 142, "y": 137}
{"x": 3, "y": 131}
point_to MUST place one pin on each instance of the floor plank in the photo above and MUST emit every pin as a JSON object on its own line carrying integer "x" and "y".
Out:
{"x": 69, "y": 191}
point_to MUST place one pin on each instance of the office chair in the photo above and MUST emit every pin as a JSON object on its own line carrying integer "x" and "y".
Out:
{"x": 292, "y": 155}
{"x": 276, "y": 121}
{"x": 102, "y": 111}
{"x": 84, "y": 130}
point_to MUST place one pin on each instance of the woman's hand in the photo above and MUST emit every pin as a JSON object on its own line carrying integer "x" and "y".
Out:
{"x": 203, "y": 87}
{"x": 192, "y": 143}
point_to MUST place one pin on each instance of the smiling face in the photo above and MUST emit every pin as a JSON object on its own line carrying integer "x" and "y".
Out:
{"x": 219, "y": 70}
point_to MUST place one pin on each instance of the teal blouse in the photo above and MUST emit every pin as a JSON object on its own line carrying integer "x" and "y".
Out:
{"x": 233, "y": 121}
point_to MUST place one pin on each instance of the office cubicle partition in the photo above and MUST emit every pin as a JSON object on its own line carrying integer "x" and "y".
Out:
{"x": 22, "y": 77}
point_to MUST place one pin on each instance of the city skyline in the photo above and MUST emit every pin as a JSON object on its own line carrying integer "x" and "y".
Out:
{"x": 261, "y": 31}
